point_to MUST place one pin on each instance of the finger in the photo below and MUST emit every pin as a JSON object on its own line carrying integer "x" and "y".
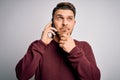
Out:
{"x": 63, "y": 38}
{"x": 49, "y": 27}
{"x": 49, "y": 24}
{"x": 61, "y": 42}
{"x": 50, "y": 35}
{"x": 61, "y": 45}
{"x": 64, "y": 35}
{"x": 68, "y": 34}
{"x": 52, "y": 32}
{"x": 54, "y": 29}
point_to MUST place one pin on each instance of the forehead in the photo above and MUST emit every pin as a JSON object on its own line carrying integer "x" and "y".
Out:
{"x": 64, "y": 13}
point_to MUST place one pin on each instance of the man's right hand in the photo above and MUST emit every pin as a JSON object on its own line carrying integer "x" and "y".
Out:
{"x": 45, "y": 34}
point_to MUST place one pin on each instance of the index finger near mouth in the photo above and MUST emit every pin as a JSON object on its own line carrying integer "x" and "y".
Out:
{"x": 66, "y": 33}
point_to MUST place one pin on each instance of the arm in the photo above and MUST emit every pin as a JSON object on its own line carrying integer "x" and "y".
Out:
{"x": 81, "y": 57}
{"x": 26, "y": 67}
{"x": 83, "y": 61}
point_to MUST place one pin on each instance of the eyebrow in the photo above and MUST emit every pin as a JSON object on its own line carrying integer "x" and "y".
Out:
{"x": 59, "y": 15}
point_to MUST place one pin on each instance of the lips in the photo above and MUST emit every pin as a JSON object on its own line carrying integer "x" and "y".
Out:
{"x": 64, "y": 30}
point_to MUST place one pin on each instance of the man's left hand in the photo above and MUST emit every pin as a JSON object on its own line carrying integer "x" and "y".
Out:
{"x": 66, "y": 42}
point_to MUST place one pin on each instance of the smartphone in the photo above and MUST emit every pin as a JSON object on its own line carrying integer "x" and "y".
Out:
{"x": 52, "y": 23}
{"x": 53, "y": 26}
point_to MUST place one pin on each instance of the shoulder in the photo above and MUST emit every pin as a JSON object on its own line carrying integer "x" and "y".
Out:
{"x": 85, "y": 46}
{"x": 36, "y": 44}
{"x": 81, "y": 43}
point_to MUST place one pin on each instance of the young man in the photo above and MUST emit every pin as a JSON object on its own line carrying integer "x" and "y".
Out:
{"x": 59, "y": 57}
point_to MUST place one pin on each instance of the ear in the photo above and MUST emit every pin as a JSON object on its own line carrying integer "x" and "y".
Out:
{"x": 74, "y": 22}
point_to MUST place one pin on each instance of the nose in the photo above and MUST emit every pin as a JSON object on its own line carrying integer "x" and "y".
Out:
{"x": 64, "y": 23}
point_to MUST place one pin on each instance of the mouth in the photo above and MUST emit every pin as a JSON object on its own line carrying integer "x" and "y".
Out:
{"x": 63, "y": 30}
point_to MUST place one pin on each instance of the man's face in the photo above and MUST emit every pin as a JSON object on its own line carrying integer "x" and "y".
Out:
{"x": 64, "y": 21}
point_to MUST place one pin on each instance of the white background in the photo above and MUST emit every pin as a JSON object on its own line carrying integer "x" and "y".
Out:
{"x": 98, "y": 22}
